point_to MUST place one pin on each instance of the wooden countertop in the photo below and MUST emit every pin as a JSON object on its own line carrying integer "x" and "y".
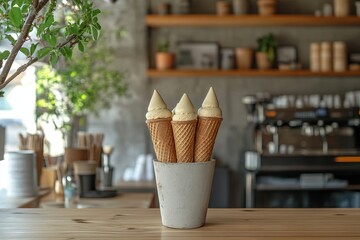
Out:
{"x": 123, "y": 200}
{"x": 244, "y": 224}
{"x": 23, "y": 202}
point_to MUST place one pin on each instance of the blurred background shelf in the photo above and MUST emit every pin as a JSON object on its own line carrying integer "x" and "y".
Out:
{"x": 153, "y": 73}
{"x": 266, "y": 187}
{"x": 208, "y": 20}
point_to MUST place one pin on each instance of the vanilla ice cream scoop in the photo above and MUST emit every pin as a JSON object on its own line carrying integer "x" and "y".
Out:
{"x": 210, "y": 106}
{"x": 157, "y": 108}
{"x": 184, "y": 110}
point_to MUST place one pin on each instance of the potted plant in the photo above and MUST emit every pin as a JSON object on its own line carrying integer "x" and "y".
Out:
{"x": 164, "y": 58}
{"x": 31, "y": 28}
{"x": 266, "y": 7}
{"x": 265, "y": 55}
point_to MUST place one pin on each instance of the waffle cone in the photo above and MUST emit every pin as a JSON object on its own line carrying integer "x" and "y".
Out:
{"x": 206, "y": 132}
{"x": 163, "y": 140}
{"x": 184, "y": 136}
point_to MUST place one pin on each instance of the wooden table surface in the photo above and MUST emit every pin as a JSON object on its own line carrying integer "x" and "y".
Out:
{"x": 23, "y": 202}
{"x": 123, "y": 200}
{"x": 243, "y": 224}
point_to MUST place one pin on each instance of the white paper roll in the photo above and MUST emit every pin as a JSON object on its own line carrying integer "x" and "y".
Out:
{"x": 22, "y": 174}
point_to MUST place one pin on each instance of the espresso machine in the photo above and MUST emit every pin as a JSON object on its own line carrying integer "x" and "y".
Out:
{"x": 303, "y": 150}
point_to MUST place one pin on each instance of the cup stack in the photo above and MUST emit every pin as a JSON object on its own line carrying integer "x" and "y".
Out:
{"x": 315, "y": 57}
{"x": 340, "y": 57}
{"x": 22, "y": 174}
{"x": 341, "y": 8}
{"x": 326, "y": 57}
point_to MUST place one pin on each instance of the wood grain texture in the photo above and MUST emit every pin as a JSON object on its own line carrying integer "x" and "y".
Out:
{"x": 204, "y": 20}
{"x": 123, "y": 200}
{"x": 23, "y": 202}
{"x": 244, "y": 224}
{"x": 152, "y": 73}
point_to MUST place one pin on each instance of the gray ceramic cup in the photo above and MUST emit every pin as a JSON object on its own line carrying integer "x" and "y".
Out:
{"x": 184, "y": 191}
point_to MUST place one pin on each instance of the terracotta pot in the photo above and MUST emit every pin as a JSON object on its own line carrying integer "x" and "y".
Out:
{"x": 244, "y": 58}
{"x": 267, "y": 7}
{"x": 223, "y": 8}
{"x": 164, "y": 60}
{"x": 262, "y": 61}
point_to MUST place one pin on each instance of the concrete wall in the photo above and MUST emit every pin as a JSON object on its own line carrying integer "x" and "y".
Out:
{"x": 124, "y": 123}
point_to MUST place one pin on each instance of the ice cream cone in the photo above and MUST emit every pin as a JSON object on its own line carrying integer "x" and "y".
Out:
{"x": 162, "y": 137}
{"x": 206, "y": 132}
{"x": 184, "y": 136}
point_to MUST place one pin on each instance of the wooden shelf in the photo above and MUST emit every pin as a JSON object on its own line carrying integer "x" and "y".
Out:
{"x": 265, "y": 187}
{"x": 198, "y": 20}
{"x": 153, "y": 73}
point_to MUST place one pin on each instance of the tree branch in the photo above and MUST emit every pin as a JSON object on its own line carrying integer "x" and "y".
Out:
{"x": 22, "y": 68}
{"x": 19, "y": 43}
{"x": 35, "y": 3}
{"x": 41, "y": 5}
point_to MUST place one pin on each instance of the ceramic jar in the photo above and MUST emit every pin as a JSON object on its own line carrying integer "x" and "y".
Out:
{"x": 315, "y": 57}
{"x": 340, "y": 56}
{"x": 223, "y": 8}
{"x": 326, "y": 57}
{"x": 240, "y": 7}
{"x": 357, "y": 5}
{"x": 341, "y": 8}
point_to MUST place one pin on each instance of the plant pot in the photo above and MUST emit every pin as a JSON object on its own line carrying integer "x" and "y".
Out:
{"x": 262, "y": 61}
{"x": 184, "y": 191}
{"x": 223, "y": 8}
{"x": 164, "y": 60}
{"x": 267, "y": 7}
{"x": 244, "y": 58}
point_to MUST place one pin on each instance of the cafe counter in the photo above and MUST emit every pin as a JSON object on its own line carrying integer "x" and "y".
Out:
{"x": 245, "y": 224}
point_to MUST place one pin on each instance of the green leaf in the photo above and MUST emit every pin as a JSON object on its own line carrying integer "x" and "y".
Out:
{"x": 25, "y": 9}
{"x": 2, "y": 93}
{"x": 49, "y": 21}
{"x": 51, "y": 39}
{"x": 10, "y": 38}
{"x": 53, "y": 59}
{"x": 17, "y": 2}
{"x": 43, "y": 52}
{"x": 33, "y": 48}
{"x": 96, "y": 12}
{"x": 81, "y": 46}
{"x": 4, "y": 55}
{"x": 66, "y": 52}
{"x": 95, "y": 33}
{"x": 40, "y": 29}
{"x": 15, "y": 16}
{"x": 25, "y": 51}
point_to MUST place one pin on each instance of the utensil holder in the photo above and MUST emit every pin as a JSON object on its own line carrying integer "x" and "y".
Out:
{"x": 184, "y": 191}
